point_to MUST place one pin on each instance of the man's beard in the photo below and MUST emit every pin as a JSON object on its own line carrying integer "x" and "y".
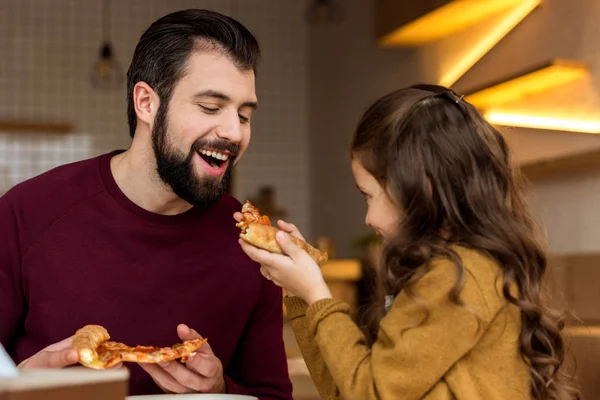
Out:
{"x": 176, "y": 169}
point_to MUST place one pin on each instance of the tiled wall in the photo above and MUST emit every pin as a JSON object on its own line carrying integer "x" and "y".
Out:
{"x": 48, "y": 47}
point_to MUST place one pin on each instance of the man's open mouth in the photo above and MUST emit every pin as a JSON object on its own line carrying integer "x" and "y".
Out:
{"x": 214, "y": 158}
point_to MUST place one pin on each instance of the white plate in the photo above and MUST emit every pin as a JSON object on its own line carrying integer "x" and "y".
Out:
{"x": 198, "y": 396}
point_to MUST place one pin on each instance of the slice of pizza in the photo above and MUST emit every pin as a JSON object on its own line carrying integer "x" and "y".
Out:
{"x": 258, "y": 231}
{"x": 97, "y": 352}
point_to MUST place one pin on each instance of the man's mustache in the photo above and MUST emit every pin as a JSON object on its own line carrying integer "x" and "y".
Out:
{"x": 223, "y": 145}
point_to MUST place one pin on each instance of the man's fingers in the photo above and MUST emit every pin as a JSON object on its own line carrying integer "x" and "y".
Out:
{"x": 62, "y": 345}
{"x": 52, "y": 359}
{"x": 57, "y": 355}
{"x": 184, "y": 376}
{"x": 164, "y": 379}
{"x": 237, "y": 216}
{"x": 187, "y": 333}
{"x": 205, "y": 364}
{"x": 197, "y": 375}
{"x": 205, "y": 349}
{"x": 63, "y": 358}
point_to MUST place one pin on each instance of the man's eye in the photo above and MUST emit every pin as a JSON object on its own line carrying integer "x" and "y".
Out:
{"x": 244, "y": 120}
{"x": 209, "y": 109}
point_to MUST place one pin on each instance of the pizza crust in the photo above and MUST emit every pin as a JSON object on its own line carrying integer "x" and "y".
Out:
{"x": 86, "y": 340}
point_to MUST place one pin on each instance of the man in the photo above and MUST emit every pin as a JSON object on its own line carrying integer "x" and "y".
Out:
{"x": 142, "y": 241}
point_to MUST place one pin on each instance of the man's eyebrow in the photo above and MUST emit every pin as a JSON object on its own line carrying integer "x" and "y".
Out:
{"x": 222, "y": 96}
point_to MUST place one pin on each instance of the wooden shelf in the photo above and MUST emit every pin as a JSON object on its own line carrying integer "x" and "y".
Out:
{"x": 410, "y": 23}
{"x": 342, "y": 270}
{"x": 571, "y": 164}
{"x": 38, "y": 127}
{"x": 586, "y": 330}
{"x": 538, "y": 78}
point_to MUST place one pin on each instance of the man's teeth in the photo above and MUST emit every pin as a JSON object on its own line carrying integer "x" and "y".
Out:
{"x": 215, "y": 154}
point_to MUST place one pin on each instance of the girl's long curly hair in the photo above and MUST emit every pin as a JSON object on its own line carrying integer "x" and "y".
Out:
{"x": 451, "y": 174}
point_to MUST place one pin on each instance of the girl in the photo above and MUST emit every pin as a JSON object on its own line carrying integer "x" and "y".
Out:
{"x": 462, "y": 270}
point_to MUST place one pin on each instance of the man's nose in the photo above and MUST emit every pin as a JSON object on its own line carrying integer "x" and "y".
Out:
{"x": 231, "y": 128}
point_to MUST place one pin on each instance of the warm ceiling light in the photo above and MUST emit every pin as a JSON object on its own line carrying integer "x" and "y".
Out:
{"x": 445, "y": 20}
{"x": 542, "y": 122}
{"x": 544, "y": 77}
{"x": 488, "y": 41}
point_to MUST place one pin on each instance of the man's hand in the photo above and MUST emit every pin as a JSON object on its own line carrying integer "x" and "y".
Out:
{"x": 202, "y": 373}
{"x": 57, "y": 355}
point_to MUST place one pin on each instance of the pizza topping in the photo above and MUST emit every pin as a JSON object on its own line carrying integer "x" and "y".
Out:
{"x": 251, "y": 215}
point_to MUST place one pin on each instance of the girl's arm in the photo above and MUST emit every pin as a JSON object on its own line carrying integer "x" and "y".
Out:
{"x": 407, "y": 360}
{"x": 296, "y": 313}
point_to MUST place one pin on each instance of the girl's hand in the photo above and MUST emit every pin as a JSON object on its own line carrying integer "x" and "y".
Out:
{"x": 292, "y": 230}
{"x": 296, "y": 271}
{"x": 284, "y": 226}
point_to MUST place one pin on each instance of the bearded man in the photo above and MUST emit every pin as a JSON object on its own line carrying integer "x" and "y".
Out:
{"x": 141, "y": 241}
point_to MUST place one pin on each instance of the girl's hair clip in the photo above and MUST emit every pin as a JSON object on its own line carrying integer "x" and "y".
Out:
{"x": 450, "y": 95}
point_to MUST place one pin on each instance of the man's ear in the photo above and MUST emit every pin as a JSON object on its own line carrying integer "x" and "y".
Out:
{"x": 146, "y": 103}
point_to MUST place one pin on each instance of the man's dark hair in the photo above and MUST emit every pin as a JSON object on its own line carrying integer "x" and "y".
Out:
{"x": 161, "y": 54}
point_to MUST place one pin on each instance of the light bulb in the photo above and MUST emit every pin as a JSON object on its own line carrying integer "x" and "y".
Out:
{"x": 106, "y": 72}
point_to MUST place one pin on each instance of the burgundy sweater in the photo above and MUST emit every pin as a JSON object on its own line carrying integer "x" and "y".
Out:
{"x": 74, "y": 250}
